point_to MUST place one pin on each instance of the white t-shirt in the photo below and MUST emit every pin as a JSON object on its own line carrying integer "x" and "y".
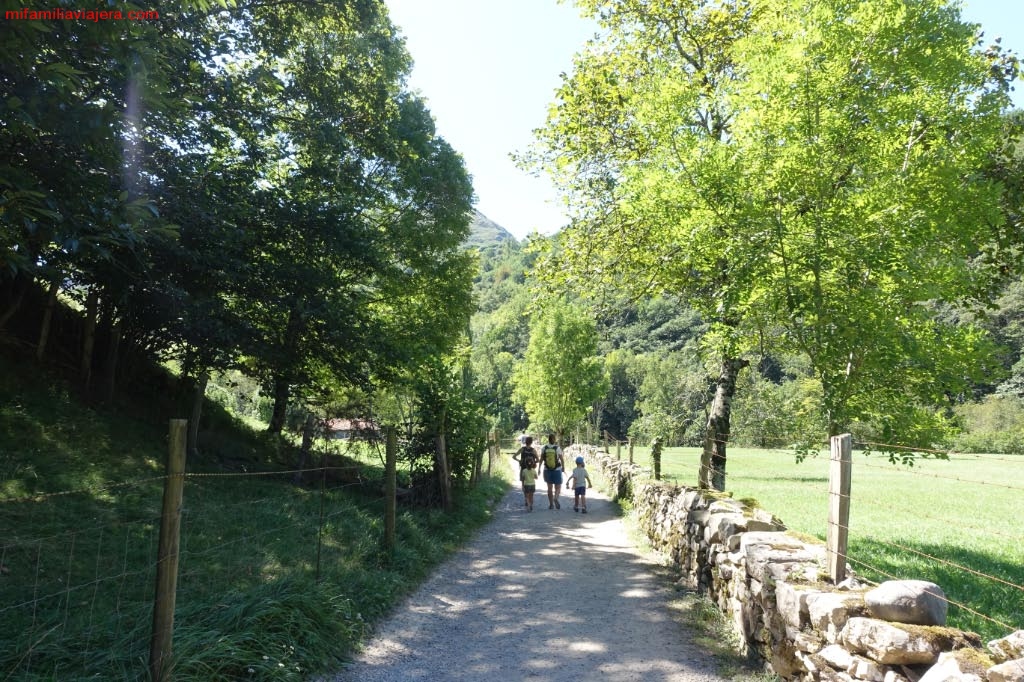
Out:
{"x": 579, "y": 479}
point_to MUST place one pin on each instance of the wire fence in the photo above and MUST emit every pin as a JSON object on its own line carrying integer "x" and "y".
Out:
{"x": 952, "y": 518}
{"x": 79, "y": 568}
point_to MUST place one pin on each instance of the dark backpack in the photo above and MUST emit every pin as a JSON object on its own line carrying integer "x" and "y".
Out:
{"x": 551, "y": 456}
{"x": 528, "y": 458}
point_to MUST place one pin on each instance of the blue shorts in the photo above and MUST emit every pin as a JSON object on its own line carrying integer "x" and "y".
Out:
{"x": 581, "y": 491}
{"x": 553, "y": 476}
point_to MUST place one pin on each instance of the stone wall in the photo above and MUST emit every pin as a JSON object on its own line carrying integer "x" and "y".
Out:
{"x": 775, "y": 590}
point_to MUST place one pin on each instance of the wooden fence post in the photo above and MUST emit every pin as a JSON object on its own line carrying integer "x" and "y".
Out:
{"x": 630, "y": 450}
{"x": 390, "y": 487}
{"x": 618, "y": 449}
{"x": 840, "y": 470}
{"x": 167, "y": 555}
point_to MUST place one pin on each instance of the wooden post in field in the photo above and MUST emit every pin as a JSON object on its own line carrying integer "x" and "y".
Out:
{"x": 618, "y": 449}
{"x": 167, "y": 555}
{"x": 840, "y": 470}
{"x": 390, "y": 487}
{"x": 630, "y": 450}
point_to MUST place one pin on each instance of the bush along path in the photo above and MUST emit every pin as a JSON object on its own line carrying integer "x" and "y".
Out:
{"x": 548, "y": 595}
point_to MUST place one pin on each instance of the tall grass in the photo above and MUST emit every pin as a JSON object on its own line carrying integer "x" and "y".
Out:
{"x": 905, "y": 522}
{"x": 276, "y": 581}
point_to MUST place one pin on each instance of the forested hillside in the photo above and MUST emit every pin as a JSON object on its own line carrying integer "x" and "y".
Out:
{"x": 259, "y": 201}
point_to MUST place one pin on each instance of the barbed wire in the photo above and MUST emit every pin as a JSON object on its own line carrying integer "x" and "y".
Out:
{"x": 945, "y": 453}
{"x": 40, "y": 497}
{"x": 915, "y": 472}
{"x": 953, "y": 564}
{"x": 1006, "y": 626}
{"x": 918, "y": 513}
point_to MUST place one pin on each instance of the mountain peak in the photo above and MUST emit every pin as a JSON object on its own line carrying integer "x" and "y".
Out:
{"x": 484, "y": 232}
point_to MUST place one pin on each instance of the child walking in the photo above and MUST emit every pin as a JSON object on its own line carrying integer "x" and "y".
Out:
{"x": 528, "y": 476}
{"x": 580, "y": 482}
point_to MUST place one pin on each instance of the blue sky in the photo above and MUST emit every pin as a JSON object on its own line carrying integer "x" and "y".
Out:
{"x": 489, "y": 69}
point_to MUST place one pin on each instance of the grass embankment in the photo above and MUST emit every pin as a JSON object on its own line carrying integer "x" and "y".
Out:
{"x": 77, "y": 569}
{"x": 907, "y": 522}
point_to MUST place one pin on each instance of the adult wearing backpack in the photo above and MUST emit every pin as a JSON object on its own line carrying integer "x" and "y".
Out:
{"x": 528, "y": 461}
{"x": 526, "y": 455}
{"x": 551, "y": 456}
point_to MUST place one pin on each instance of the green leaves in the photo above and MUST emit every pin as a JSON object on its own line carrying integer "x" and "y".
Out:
{"x": 561, "y": 375}
{"x": 808, "y": 174}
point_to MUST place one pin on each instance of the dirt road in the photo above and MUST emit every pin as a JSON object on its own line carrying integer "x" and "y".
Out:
{"x": 545, "y": 596}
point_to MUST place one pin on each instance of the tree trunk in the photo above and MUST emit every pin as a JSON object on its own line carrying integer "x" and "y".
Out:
{"x": 443, "y": 472}
{"x": 716, "y": 433}
{"x": 307, "y": 446}
{"x": 281, "y": 394}
{"x": 110, "y": 367}
{"x": 282, "y": 376}
{"x": 92, "y": 302}
{"x": 18, "y": 289}
{"x": 197, "y": 413}
{"x": 44, "y": 329}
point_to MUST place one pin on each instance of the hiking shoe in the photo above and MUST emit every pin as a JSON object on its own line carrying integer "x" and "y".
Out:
{"x": 584, "y": 510}
{"x": 550, "y": 506}
{"x": 575, "y": 509}
{"x": 557, "y": 506}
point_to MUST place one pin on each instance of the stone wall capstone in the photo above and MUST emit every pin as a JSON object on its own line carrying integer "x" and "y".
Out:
{"x": 774, "y": 589}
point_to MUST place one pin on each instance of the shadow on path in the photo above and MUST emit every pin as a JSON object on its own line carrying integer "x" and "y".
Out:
{"x": 544, "y": 596}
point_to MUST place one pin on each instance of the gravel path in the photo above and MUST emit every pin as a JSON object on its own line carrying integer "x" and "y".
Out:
{"x": 544, "y": 596}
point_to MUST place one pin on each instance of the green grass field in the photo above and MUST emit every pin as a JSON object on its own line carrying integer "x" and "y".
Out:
{"x": 905, "y": 522}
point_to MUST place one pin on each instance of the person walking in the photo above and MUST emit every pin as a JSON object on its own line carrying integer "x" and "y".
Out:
{"x": 528, "y": 461}
{"x": 579, "y": 482}
{"x": 528, "y": 476}
{"x": 551, "y": 456}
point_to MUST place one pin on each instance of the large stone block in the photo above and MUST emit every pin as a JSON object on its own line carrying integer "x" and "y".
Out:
{"x": 1010, "y": 671}
{"x": 791, "y": 602}
{"x": 889, "y": 644}
{"x": 692, "y": 499}
{"x": 698, "y": 516}
{"x": 837, "y": 657}
{"x": 917, "y": 602}
{"x": 797, "y": 571}
{"x": 723, "y": 524}
{"x": 864, "y": 669}
{"x": 965, "y": 665}
{"x": 1008, "y": 648}
{"x": 828, "y": 612}
{"x": 760, "y": 557}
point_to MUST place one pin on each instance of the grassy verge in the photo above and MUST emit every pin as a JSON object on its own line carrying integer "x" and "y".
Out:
{"x": 276, "y": 581}
{"x": 905, "y": 522}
